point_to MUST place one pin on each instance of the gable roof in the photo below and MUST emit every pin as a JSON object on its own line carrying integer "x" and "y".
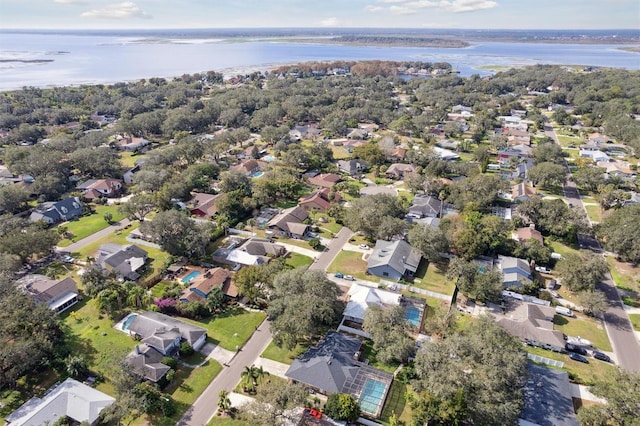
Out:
{"x": 361, "y": 297}
{"x": 523, "y": 190}
{"x": 319, "y": 198}
{"x": 352, "y": 166}
{"x": 205, "y": 283}
{"x": 425, "y": 205}
{"x": 528, "y": 233}
{"x": 58, "y": 211}
{"x": 531, "y": 322}
{"x": 127, "y": 260}
{"x": 148, "y": 323}
{"x": 71, "y": 398}
{"x": 547, "y": 397}
{"x": 45, "y": 290}
{"x": 325, "y": 180}
{"x": 292, "y": 215}
{"x": 328, "y": 365}
{"x": 398, "y": 255}
{"x": 246, "y": 166}
{"x": 400, "y": 169}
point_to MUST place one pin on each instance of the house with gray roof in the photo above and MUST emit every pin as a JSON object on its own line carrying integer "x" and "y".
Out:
{"x": 352, "y": 167}
{"x": 530, "y": 322}
{"x": 165, "y": 333}
{"x": 58, "y": 211}
{"x": 425, "y": 206}
{"x": 333, "y": 366}
{"x": 146, "y": 362}
{"x": 547, "y": 398}
{"x": 77, "y": 401}
{"x": 393, "y": 260}
{"x": 289, "y": 222}
{"x": 515, "y": 271}
{"x": 128, "y": 261}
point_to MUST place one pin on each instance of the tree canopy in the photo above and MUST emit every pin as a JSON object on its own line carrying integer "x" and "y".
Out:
{"x": 619, "y": 233}
{"x": 389, "y": 330}
{"x": 581, "y": 271}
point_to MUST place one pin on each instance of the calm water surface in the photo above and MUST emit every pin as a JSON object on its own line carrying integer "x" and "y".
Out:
{"x": 80, "y": 59}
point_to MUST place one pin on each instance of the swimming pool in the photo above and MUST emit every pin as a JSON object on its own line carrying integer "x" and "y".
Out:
{"x": 372, "y": 395}
{"x": 268, "y": 158}
{"x": 413, "y": 315}
{"x": 257, "y": 174}
{"x": 127, "y": 321}
{"x": 190, "y": 277}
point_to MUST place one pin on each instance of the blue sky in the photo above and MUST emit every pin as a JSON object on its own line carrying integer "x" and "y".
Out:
{"x": 480, "y": 14}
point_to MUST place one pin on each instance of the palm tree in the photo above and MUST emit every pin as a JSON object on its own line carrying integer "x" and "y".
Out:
{"x": 138, "y": 297}
{"x": 75, "y": 365}
{"x": 258, "y": 374}
{"x": 224, "y": 403}
{"x": 248, "y": 381}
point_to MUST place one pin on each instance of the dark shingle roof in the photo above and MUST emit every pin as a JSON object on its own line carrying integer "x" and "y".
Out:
{"x": 146, "y": 324}
{"x": 547, "y": 398}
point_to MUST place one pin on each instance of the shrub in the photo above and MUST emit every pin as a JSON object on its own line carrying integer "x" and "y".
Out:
{"x": 186, "y": 349}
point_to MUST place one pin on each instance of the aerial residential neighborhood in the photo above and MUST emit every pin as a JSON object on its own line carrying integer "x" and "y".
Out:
{"x": 272, "y": 249}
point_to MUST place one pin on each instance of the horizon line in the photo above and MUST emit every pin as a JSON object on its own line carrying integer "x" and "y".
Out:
{"x": 317, "y": 28}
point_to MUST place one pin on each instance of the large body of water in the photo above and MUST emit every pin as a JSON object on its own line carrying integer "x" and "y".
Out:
{"x": 73, "y": 59}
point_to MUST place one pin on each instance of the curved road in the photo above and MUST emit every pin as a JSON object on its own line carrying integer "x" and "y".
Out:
{"x": 616, "y": 321}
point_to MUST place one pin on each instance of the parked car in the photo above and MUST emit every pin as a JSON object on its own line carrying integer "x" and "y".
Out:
{"x": 601, "y": 356}
{"x": 349, "y": 278}
{"x": 575, "y": 349}
{"x": 533, "y": 343}
{"x": 364, "y": 247}
{"x": 313, "y": 413}
{"x": 543, "y": 269}
{"x": 564, "y": 311}
{"x": 577, "y": 357}
{"x": 338, "y": 275}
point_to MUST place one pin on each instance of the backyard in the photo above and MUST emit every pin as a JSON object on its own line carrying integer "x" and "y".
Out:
{"x": 396, "y": 404}
{"x": 88, "y": 225}
{"x": 431, "y": 276}
{"x": 232, "y": 328}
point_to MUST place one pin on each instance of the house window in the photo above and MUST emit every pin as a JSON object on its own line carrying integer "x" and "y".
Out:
{"x": 385, "y": 274}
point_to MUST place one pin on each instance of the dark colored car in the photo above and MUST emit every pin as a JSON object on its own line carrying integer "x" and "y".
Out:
{"x": 577, "y": 357}
{"x": 601, "y": 356}
{"x": 575, "y": 348}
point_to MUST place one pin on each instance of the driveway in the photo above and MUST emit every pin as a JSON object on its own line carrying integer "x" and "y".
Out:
{"x": 616, "y": 321}
{"x": 334, "y": 247}
{"x": 206, "y": 405}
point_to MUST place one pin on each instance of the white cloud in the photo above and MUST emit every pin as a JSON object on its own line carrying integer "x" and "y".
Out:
{"x": 391, "y": 1}
{"x": 409, "y": 7}
{"x": 329, "y": 22}
{"x": 70, "y": 1}
{"x": 402, "y": 10}
{"x": 372, "y": 8}
{"x": 122, "y": 10}
{"x": 468, "y": 5}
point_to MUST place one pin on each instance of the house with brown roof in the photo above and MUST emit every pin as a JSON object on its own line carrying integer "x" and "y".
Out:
{"x": 522, "y": 192}
{"x": 98, "y": 188}
{"x": 398, "y": 170}
{"x": 248, "y": 167}
{"x": 318, "y": 201}
{"x": 617, "y": 169}
{"x": 528, "y": 233}
{"x": 203, "y": 205}
{"x": 58, "y": 295}
{"x": 289, "y": 222}
{"x": 205, "y": 283}
{"x": 324, "y": 180}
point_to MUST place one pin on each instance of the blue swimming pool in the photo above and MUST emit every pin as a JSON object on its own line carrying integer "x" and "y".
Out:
{"x": 268, "y": 158}
{"x": 190, "y": 277}
{"x": 127, "y": 321}
{"x": 257, "y": 174}
{"x": 413, "y": 315}
{"x": 372, "y": 396}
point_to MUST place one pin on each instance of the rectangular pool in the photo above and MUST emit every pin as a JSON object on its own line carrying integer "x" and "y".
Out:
{"x": 190, "y": 277}
{"x": 412, "y": 315}
{"x": 372, "y": 396}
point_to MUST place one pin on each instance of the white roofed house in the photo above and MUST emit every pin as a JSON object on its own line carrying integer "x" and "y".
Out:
{"x": 360, "y": 299}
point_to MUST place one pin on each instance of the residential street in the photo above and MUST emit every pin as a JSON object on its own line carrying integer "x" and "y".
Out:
{"x": 206, "y": 405}
{"x": 94, "y": 237}
{"x": 616, "y": 321}
{"x": 325, "y": 259}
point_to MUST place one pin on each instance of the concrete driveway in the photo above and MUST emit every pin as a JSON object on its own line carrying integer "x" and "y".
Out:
{"x": 334, "y": 247}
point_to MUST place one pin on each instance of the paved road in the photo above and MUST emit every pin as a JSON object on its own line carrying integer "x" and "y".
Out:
{"x": 616, "y": 321}
{"x": 325, "y": 259}
{"x": 206, "y": 405}
{"x": 78, "y": 245}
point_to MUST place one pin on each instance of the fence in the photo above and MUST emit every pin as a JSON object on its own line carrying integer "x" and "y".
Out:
{"x": 544, "y": 360}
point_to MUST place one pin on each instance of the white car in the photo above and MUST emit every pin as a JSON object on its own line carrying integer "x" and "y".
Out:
{"x": 349, "y": 278}
{"x": 543, "y": 269}
{"x": 363, "y": 247}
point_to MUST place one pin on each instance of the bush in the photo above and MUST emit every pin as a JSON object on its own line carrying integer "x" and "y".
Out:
{"x": 342, "y": 406}
{"x": 170, "y": 361}
{"x": 186, "y": 349}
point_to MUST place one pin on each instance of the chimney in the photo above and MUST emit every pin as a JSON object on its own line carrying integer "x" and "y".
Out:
{"x": 404, "y": 259}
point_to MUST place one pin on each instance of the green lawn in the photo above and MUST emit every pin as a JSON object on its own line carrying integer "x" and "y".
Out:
{"x": 231, "y": 329}
{"x": 339, "y": 152}
{"x": 635, "y": 321}
{"x": 569, "y": 140}
{"x": 283, "y": 355}
{"x": 297, "y": 260}
{"x": 226, "y": 421}
{"x": 87, "y": 225}
{"x": 434, "y": 278}
{"x": 585, "y": 327}
{"x": 625, "y": 275}
{"x": 369, "y": 354}
{"x": 37, "y": 384}
{"x": 350, "y": 263}
{"x": 561, "y": 248}
{"x": 594, "y": 213}
{"x": 585, "y": 374}
{"x": 396, "y": 404}
{"x": 128, "y": 159}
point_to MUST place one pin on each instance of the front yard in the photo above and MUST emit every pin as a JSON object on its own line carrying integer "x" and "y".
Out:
{"x": 635, "y": 321}
{"x": 283, "y": 355}
{"x": 88, "y": 225}
{"x": 231, "y": 329}
{"x": 594, "y": 213}
{"x": 586, "y": 327}
{"x": 297, "y": 260}
{"x": 431, "y": 276}
{"x": 350, "y": 263}
{"x": 579, "y": 372}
